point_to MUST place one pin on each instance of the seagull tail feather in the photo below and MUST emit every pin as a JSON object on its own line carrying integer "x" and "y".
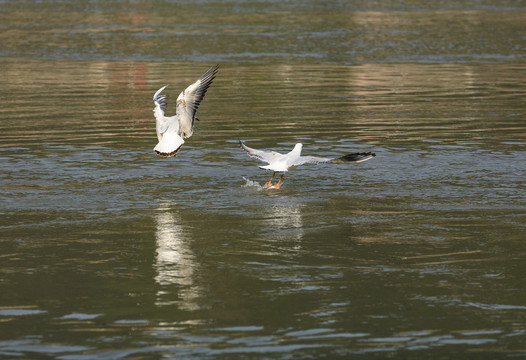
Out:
{"x": 168, "y": 154}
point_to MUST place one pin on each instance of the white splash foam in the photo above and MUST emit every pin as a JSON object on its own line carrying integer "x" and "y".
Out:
{"x": 252, "y": 184}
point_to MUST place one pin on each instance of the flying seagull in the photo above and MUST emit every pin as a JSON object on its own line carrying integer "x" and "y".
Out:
{"x": 282, "y": 162}
{"x": 172, "y": 130}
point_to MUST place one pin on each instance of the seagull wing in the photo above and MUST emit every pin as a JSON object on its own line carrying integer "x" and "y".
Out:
{"x": 161, "y": 122}
{"x": 355, "y": 157}
{"x": 189, "y": 99}
{"x": 162, "y": 100}
{"x": 263, "y": 155}
{"x": 311, "y": 160}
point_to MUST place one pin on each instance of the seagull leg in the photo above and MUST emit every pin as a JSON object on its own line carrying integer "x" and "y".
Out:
{"x": 269, "y": 183}
{"x": 278, "y": 185}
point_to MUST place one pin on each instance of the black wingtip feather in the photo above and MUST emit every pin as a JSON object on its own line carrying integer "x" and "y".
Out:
{"x": 206, "y": 80}
{"x": 242, "y": 146}
{"x": 162, "y": 100}
{"x": 356, "y": 157}
{"x": 210, "y": 74}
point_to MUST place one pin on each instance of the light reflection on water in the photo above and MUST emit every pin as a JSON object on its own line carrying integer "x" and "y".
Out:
{"x": 175, "y": 262}
{"x": 335, "y": 249}
{"x": 111, "y": 252}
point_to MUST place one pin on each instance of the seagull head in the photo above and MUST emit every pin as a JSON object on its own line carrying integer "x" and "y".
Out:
{"x": 297, "y": 148}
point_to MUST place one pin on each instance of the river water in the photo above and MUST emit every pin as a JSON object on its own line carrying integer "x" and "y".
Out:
{"x": 111, "y": 252}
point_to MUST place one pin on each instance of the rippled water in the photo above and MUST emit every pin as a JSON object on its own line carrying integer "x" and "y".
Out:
{"x": 110, "y": 252}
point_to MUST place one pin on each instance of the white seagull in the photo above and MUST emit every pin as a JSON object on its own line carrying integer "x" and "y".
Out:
{"x": 282, "y": 162}
{"x": 172, "y": 130}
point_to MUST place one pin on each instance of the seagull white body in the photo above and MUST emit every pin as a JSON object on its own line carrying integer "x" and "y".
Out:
{"x": 283, "y": 162}
{"x": 279, "y": 162}
{"x": 172, "y": 130}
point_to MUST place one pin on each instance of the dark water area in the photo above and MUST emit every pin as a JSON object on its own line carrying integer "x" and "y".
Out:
{"x": 111, "y": 252}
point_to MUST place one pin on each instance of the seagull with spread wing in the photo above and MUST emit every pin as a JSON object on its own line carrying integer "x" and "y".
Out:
{"x": 283, "y": 162}
{"x": 172, "y": 130}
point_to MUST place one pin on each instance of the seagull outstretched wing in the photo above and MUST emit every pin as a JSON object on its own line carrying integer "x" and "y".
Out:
{"x": 282, "y": 162}
{"x": 162, "y": 100}
{"x": 189, "y": 99}
{"x": 263, "y": 155}
{"x": 355, "y": 157}
{"x": 172, "y": 130}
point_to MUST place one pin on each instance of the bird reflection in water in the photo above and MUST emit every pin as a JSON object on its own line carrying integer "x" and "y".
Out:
{"x": 175, "y": 263}
{"x": 286, "y": 222}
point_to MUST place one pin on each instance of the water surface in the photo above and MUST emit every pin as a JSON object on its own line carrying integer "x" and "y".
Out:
{"x": 110, "y": 252}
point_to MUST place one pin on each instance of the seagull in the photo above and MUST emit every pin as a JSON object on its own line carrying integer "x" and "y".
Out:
{"x": 172, "y": 130}
{"x": 282, "y": 162}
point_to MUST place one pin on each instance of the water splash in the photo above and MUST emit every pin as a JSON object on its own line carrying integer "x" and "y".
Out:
{"x": 253, "y": 184}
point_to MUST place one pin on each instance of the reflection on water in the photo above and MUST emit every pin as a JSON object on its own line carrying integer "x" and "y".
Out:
{"x": 109, "y": 252}
{"x": 343, "y": 259}
{"x": 285, "y": 219}
{"x": 370, "y": 104}
{"x": 279, "y": 213}
{"x": 273, "y": 32}
{"x": 175, "y": 263}
{"x": 382, "y": 257}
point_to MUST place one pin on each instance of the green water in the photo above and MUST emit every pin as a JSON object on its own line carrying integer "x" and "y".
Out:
{"x": 110, "y": 252}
